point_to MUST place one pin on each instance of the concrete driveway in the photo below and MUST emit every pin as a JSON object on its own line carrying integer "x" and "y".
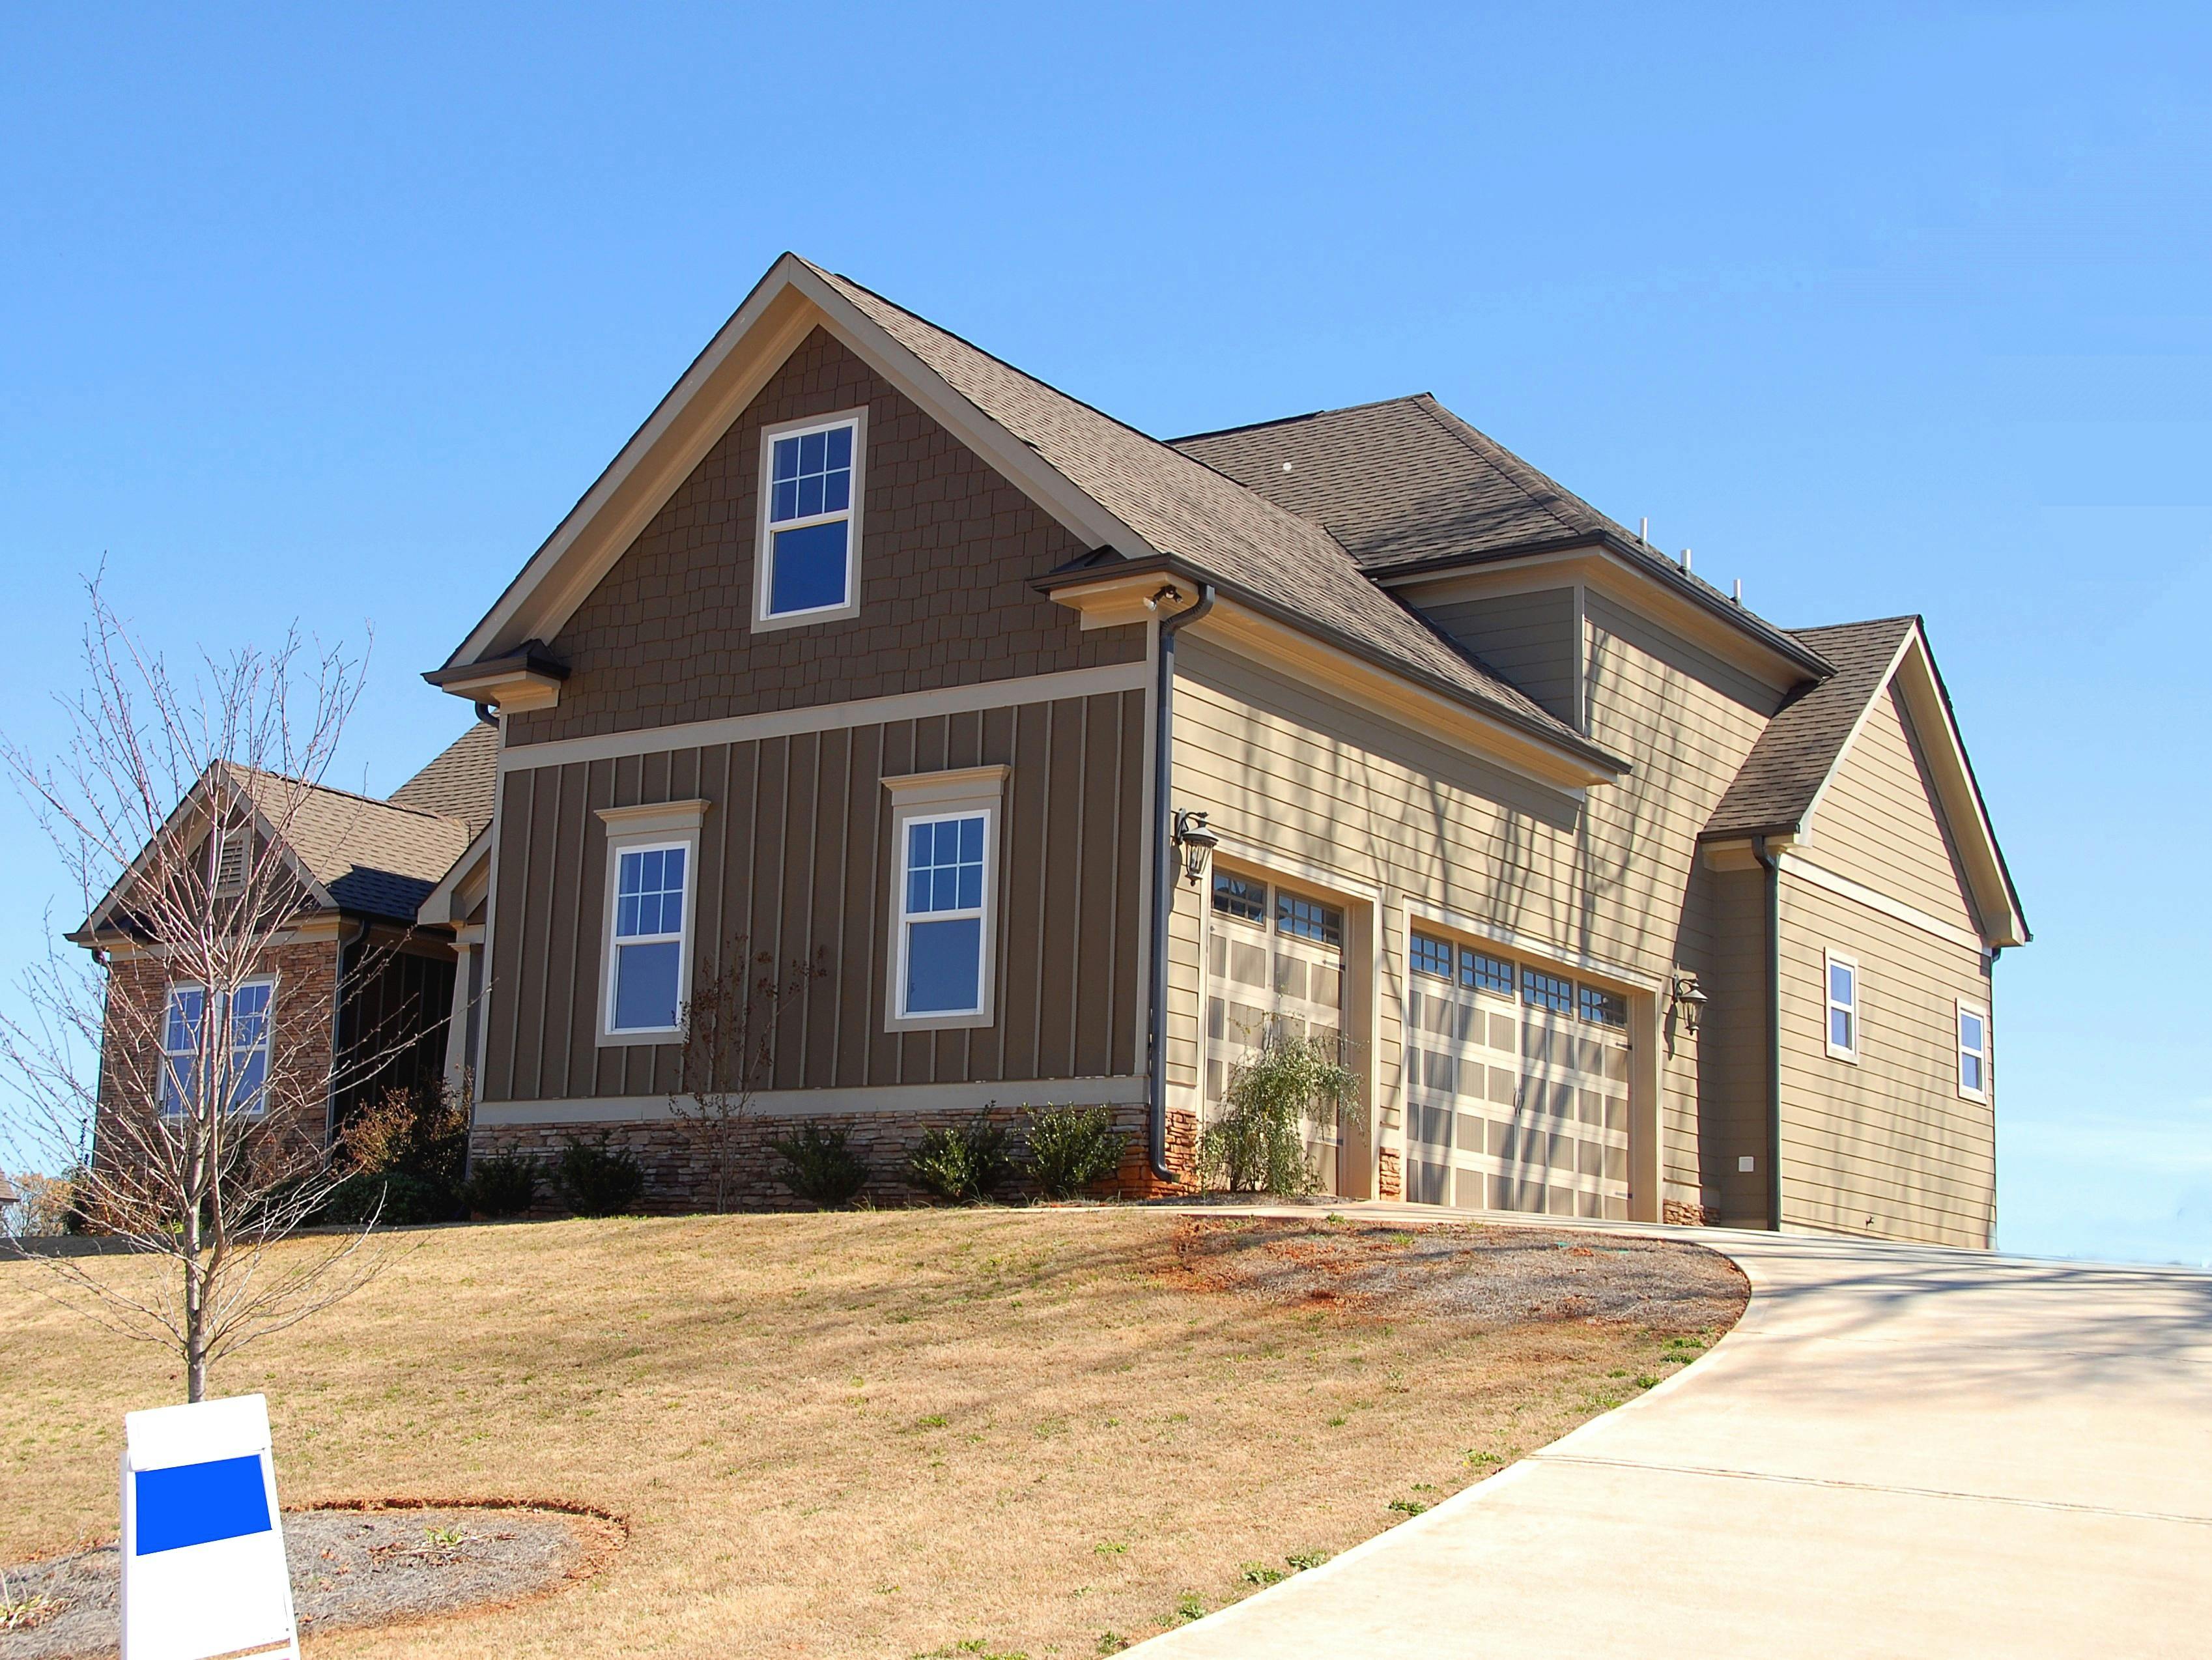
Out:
{"x": 1898, "y": 1452}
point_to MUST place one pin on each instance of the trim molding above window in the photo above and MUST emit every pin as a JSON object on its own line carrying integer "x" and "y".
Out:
{"x": 1842, "y": 1001}
{"x": 807, "y": 539}
{"x": 647, "y": 946}
{"x": 941, "y": 967}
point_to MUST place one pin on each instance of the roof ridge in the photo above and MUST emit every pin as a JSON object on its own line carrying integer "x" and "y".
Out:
{"x": 1286, "y": 420}
{"x": 1517, "y": 471}
{"x": 351, "y": 795}
{"x": 1912, "y": 616}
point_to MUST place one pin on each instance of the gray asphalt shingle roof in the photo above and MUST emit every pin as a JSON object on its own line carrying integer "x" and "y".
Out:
{"x": 1183, "y": 508}
{"x": 1405, "y": 482}
{"x": 371, "y": 857}
{"x": 458, "y": 783}
{"x": 1800, "y": 747}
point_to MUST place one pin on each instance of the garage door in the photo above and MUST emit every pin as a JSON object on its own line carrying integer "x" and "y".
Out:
{"x": 1273, "y": 955}
{"x": 1516, "y": 1086}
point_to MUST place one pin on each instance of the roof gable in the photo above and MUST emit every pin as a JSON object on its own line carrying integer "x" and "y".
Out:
{"x": 458, "y": 783}
{"x": 1120, "y": 491}
{"x": 1779, "y": 788}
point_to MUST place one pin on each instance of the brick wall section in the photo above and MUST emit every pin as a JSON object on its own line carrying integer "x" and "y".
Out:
{"x": 948, "y": 550}
{"x": 679, "y": 1176}
{"x": 300, "y": 1038}
{"x": 1680, "y": 1213}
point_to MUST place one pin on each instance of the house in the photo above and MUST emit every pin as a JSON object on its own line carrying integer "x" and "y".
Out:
{"x": 1075, "y": 759}
{"x": 353, "y": 994}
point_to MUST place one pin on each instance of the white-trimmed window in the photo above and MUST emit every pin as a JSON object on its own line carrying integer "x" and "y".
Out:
{"x": 809, "y": 528}
{"x": 652, "y": 857}
{"x": 244, "y": 1026}
{"x": 1973, "y": 1051}
{"x": 945, "y": 917}
{"x": 1841, "y": 980}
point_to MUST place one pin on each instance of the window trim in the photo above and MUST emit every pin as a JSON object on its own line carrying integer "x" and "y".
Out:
{"x": 644, "y": 829}
{"x": 257, "y": 1108}
{"x": 1961, "y": 1007}
{"x": 1830, "y": 956}
{"x": 933, "y": 798}
{"x": 763, "y": 533}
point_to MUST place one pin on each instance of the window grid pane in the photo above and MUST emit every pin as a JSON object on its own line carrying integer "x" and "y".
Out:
{"x": 944, "y": 866}
{"x": 1309, "y": 918}
{"x": 1603, "y": 1007}
{"x": 1239, "y": 896}
{"x": 810, "y": 474}
{"x": 649, "y": 894}
{"x": 1484, "y": 972}
{"x": 1547, "y": 991}
{"x": 1429, "y": 956}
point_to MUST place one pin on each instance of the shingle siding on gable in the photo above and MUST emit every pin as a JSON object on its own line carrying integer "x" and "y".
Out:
{"x": 948, "y": 551}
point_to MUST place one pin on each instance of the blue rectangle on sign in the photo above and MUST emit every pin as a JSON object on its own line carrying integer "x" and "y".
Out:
{"x": 199, "y": 1504}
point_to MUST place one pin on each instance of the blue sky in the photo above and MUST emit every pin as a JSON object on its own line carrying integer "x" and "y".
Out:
{"x": 1879, "y": 310}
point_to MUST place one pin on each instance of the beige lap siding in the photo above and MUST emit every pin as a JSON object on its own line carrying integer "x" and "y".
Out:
{"x": 1732, "y": 1081}
{"x": 1302, "y": 778}
{"x": 1877, "y": 824}
{"x": 1885, "y": 1145}
{"x": 796, "y": 857}
{"x": 1529, "y": 639}
{"x": 1685, "y": 721}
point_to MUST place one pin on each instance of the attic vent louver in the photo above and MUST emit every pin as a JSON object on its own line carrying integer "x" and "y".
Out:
{"x": 230, "y": 866}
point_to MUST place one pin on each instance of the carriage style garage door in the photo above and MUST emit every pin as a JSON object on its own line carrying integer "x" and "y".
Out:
{"x": 1516, "y": 1086}
{"x": 1273, "y": 955}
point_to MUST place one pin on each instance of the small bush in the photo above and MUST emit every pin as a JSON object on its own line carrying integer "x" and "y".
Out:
{"x": 390, "y": 1198}
{"x": 595, "y": 1179}
{"x": 962, "y": 1165}
{"x": 503, "y": 1184}
{"x": 1258, "y": 1144}
{"x": 819, "y": 1167}
{"x": 1071, "y": 1147}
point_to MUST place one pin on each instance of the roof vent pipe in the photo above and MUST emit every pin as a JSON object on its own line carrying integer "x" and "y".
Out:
{"x": 1685, "y": 559}
{"x": 1738, "y": 590}
{"x": 1643, "y": 530}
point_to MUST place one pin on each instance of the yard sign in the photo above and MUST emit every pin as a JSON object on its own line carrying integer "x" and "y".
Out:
{"x": 204, "y": 1570}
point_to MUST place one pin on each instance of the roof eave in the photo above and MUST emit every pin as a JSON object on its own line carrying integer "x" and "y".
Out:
{"x": 1602, "y": 765}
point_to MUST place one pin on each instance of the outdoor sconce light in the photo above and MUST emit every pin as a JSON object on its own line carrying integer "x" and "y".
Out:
{"x": 1196, "y": 842}
{"x": 1690, "y": 998}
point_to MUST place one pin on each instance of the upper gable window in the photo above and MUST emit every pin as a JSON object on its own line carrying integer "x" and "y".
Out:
{"x": 809, "y": 532}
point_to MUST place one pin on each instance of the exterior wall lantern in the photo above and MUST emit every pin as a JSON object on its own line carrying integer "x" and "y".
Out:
{"x": 1691, "y": 999}
{"x": 1196, "y": 842}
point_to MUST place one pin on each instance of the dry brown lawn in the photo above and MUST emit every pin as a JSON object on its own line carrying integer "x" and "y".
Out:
{"x": 895, "y": 1434}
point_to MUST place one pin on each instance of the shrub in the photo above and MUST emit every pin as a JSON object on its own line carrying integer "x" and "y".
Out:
{"x": 392, "y": 1198}
{"x": 595, "y": 1179}
{"x": 962, "y": 1165}
{"x": 503, "y": 1184}
{"x": 421, "y": 1131}
{"x": 1071, "y": 1147}
{"x": 1258, "y": 1144}
{"x": 819, "y": 1167}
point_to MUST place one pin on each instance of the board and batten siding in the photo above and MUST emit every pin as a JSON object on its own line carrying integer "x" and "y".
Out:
{"x": 1528, "y": 639}
{"x": 795, "y": 860}
{"x": 1885, "y": 1145}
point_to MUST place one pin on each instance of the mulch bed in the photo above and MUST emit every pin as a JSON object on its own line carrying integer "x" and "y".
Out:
{"x": 372, "y": 1565}
{"x": 1485, "y": 1276}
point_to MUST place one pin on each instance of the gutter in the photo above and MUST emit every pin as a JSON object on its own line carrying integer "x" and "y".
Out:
{"x": 1558, "y": 738}
{"x": 1164, "y": 881}
{"x": 1772, "y": 865}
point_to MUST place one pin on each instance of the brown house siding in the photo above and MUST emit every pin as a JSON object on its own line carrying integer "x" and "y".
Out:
{"x": 795, "y": 858}
{"x": 948, "y": 550}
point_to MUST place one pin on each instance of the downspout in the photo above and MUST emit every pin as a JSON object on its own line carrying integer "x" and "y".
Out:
{"x": 338, "y": 1019}
{"x": 1772, "y": 865}
{"x": 1163, "y": 876}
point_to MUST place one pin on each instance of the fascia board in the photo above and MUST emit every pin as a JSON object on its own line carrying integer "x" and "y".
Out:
{"x": 438, "y": 908}
{"x": 783, "y": 308}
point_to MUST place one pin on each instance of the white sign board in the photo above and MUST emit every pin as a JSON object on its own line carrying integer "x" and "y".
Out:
{"x": 204, "y": 1568}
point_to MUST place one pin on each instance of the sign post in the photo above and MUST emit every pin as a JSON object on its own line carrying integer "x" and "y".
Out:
{"x": 203, "y": 1571}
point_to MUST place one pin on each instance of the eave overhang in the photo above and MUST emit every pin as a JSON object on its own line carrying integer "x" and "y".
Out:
{"x": 528, "y": 677}
{"x": 1109, "y": 591}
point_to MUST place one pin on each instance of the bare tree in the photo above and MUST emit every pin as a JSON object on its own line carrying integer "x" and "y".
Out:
{"x": 728, "y": 1049}
{"x": 187, "y": 1096}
